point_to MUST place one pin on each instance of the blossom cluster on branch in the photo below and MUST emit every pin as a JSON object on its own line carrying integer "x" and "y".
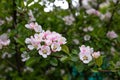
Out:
{"x": 86, "y": 54}
{"x": 44, "y": 41}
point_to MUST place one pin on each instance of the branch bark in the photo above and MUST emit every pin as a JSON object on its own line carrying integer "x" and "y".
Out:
{"x": 17, "y": 54}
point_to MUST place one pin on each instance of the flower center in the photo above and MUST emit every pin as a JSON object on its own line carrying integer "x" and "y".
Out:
{"x": 44, "y": 51}
{"x": 54, "y": 47}
{"x": 85, "y": 58}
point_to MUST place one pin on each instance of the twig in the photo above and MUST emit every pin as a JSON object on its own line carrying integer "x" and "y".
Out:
{"x": 111, "y": 18}
{"x": 80, "y": 2}
{"x": 11, "y": 64}
{"x": 98, "y": 4}
{"x": 106, "y": 70}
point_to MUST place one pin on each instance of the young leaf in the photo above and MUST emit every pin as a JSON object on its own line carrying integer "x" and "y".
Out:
{"x": 99, "y": 61}
{"x": 64, "y": 58}
{"x": 54, "y": 62}
{"x": 65, "y": 49}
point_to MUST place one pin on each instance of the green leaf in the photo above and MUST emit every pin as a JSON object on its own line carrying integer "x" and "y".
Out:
{"x": 99, "y": 61}
{"x": 74, "y": 51}
{"x": 54, "y": 62}
{"x": 74, "y": 58}
{"x": 66, "y": 77}
{"x": 65, "y": 49}
{"x": 19, "y": 41}
{"x": 80, "y": 67}
{"x": 94, "y": 70}
{"x": 30, "y": 61}
{"x": 22, "y": 49}
{"x": 65, "y": 58}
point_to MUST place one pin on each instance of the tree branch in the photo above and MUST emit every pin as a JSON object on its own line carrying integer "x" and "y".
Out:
{"x": 111, "y": 18}
{"x": 17, "y": 54}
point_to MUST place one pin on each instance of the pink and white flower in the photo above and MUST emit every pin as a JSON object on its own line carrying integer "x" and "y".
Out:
{"x": 34, "y": 26}
{"x": 34, "y": 41}
{"x": 31, "y": 16}
{"x": 4, "y": 41}
{"x": 93, "y": 11}
{"x": 96, "y": 55}
{"x": 85, "y": 54}
{"x": 62, "y": 40}
{"x": 45, "y": 51}
{"x": 55, "y": 47}
{"x": 69, "y": 19}
{"x": 112, "y": 35}
{"x": 86, "y": 58}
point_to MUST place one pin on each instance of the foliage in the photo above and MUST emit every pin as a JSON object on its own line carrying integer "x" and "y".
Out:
{"x": 97, "y": 28}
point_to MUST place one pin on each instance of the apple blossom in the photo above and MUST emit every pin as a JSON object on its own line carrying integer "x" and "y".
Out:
{"x": 55, "y": 47}
{"x": 6, "y": 55}
{"x": 111, "y": 35}
{"x": 85, "y": 54}
{"x": 25, "y": 56}
{"x": 93, "y": 11}
{"x": 44, "y": 51}
{"x": 87, "y": 37}
{"x": 96, "y": 55}
{"x": 34, "y": 26}
{"x": 69, "y": 19}
{"x": 31, "y": 16}
{"x": 86, "y": 58}
{"x": 1, "y": 22}
{"x": 4, "y": 41}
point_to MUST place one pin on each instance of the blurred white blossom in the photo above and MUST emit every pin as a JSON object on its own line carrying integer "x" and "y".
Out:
{"x": 104, "y": 4}
{"x": 93, "y": 12}
{"x": 76, "y": 41}
{"x": 1, "y": 22}
{"x": 28, "y": 69}
{"x": 69, "y": 19}
{"x": 112, "y": 35}
{"x": 9, "y": 19}
{"x": 87, "y": 37}
{"x": 63, "y": 4}
{"x": 89, "y": 28}
{"x": 105, "y": 16}
{"x": 25, "y": 56}
{"x": 4, "y": 41}
{"x": 86, "y": 4}
{"x": 31, "y": 16}
{"x": 6, "y": 55}
{"x": 8, "y": 69}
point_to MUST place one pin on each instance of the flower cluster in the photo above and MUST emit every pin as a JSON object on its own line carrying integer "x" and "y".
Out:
{"x": 4, "y": 41}
{"x": 46, "y": 42}
{"x": 86, "y": 54}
